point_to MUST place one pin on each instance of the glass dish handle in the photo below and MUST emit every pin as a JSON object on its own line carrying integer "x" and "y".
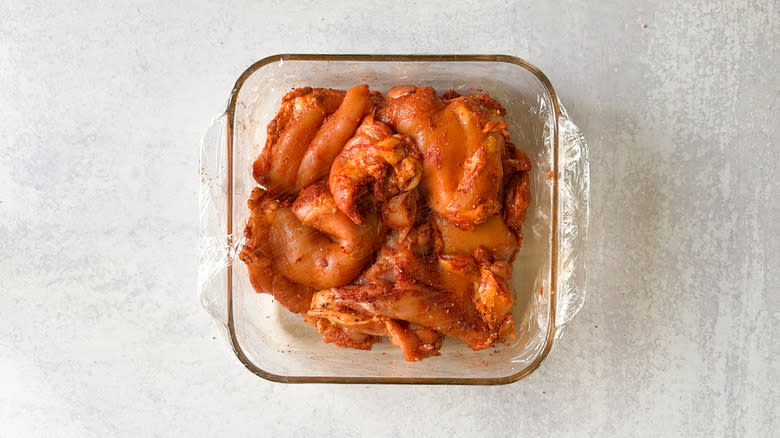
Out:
{"x": 214, "y": 243}
{"x": 573, "y": 216}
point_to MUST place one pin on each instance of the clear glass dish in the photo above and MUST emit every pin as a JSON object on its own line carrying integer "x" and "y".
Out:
{"x": 549, "y": 273}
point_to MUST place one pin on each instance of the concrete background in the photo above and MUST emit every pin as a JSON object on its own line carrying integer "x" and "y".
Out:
{"x": 102, "y": 105}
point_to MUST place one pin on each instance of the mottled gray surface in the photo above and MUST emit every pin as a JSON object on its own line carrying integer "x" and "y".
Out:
{"x": 101, "y": 109}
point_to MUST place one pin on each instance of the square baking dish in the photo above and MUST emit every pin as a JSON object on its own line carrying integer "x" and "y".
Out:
{"x": 548, "y": 276}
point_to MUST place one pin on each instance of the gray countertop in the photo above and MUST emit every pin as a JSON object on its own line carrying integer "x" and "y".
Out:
{"x": 101, "y": 111}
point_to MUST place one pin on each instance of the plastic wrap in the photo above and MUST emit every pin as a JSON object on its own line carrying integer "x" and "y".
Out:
{"x": 549, "y": 274}
{"x": 574, "y": 213}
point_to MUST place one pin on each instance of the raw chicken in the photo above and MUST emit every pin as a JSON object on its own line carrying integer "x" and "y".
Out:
{"x": 395, "y": 216}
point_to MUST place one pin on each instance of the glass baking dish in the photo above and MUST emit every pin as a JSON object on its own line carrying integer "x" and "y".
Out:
{"x": 549, "y": 273}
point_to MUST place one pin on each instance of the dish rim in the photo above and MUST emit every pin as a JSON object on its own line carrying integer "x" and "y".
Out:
{"x": 551, "y": 327}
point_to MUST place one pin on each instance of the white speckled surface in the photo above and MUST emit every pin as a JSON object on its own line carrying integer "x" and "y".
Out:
{"x": 101, "y": 110}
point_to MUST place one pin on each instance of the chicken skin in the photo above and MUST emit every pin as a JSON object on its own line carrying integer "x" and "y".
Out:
{"x": 462, "y": 141}
{"x": 391, "y": 162}
{"x": 308, "y": 243}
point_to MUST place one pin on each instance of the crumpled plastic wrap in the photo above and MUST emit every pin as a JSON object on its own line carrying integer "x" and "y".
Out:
{"x": 277, "y": 345}
{"x": 216, "y": 251}
{"x": 573, "y": 220}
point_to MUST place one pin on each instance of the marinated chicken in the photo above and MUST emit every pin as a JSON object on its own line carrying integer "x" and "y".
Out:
{"x": 462, "y": 141}
{"x": 395, "y": 216}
